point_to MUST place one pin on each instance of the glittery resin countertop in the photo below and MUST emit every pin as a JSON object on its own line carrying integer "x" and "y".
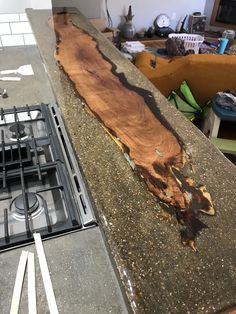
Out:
{"x": 158, "y": 273}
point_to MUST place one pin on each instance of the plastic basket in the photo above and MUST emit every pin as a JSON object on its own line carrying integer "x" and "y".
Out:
{"x": 191, "y": 41}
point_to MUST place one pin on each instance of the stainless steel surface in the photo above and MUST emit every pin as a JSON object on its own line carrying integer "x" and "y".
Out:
{"x": 82, "y": 196}
{"x": 43, "y": 189}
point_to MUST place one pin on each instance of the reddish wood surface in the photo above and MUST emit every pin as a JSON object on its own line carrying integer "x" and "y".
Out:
{"x": 151, "y": 145}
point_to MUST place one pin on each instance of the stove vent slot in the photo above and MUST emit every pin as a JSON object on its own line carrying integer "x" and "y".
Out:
{"x": 83, "y": 203}
{"x": 66, "y": 150}
{"x": 57, "y": 122}
{"x": 53, "y": 110}
{"x": 77, "y": 184}
{"x": 62, "y": 137}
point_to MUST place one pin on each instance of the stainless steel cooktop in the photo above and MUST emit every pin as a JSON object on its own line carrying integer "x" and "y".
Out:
{"x": 42, "y": 187}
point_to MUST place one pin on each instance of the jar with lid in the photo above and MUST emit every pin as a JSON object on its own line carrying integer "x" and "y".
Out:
{"x": 230, "y": 35}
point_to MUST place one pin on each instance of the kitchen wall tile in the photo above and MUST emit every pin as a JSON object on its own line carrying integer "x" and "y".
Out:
{"x": 9, "y": 17}
{"x": 23, "y": 17}
{"x": 20, "y": 28}
{"x": 5, "y": 29}
{"x": 12, "y": 40}
{"x": 29, "y": 39}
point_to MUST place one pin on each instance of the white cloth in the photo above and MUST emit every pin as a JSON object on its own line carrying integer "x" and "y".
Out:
{"x": 133, "y": 46}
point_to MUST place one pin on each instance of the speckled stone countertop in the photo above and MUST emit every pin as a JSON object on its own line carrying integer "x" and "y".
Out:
{"x": 80, "y": 266}
{"x": 158, "y": 273}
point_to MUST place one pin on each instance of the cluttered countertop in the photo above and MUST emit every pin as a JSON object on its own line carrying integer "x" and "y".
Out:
{"x": 158, "y": 273}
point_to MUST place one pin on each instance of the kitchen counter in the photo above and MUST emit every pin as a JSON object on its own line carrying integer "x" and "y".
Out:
{"x": 158, "y": 273}
{"x": 30, "y": 89}
{"x": 81, "y": 272}
{"x": 80, "y": 267}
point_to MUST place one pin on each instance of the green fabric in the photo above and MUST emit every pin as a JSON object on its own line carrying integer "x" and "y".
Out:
{"x": 182, "y": 106}
{"x": 188, "y": 106}
{"x": 186, "y": 91}
{"x": 226, "y": 146}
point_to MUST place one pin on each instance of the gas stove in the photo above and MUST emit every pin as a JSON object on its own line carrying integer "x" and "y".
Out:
{"x": 41, "y": 185}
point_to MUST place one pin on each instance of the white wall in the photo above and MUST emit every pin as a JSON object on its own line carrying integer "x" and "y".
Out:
{"x": 208, "y": 10}
{"x": 89, "y": 8}
{"x": 16, "y": 6}
{"x": 40, "y": 4}
{"x": 13, "y": 6}
{"x": 145, "y": 11}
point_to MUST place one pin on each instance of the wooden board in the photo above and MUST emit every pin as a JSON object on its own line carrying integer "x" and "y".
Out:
{"x": 132, "y": 116}
{"x": 32, "y": 302}
{"x": 52, "y": 305}
{"x": 15, "y": 302}
{"x": 156, "y": 43}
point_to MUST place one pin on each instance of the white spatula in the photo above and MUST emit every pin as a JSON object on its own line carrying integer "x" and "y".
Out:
{"x": 10, "y": 78}
{"x": 23, "y": 70}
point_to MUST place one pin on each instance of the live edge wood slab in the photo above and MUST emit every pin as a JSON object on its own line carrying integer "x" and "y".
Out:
{"x": 132, "y": 117}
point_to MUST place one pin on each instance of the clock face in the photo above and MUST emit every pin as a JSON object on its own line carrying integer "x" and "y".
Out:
{"x": 162, "y": 20}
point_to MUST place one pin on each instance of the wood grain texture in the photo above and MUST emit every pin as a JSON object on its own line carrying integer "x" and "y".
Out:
{"x": 126, "y": 112}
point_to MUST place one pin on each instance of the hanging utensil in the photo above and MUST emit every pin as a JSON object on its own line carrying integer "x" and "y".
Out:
{"x": 23, "y": 70}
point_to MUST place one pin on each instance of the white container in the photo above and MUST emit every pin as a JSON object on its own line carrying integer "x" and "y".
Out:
{"x": 191, "y": 41}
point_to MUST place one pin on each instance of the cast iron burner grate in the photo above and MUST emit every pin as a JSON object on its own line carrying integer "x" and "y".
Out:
{"x": 42, "y": 188}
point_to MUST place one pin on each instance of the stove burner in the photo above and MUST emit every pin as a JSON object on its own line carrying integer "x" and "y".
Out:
{"x": 32, "y": 202}
{"x": 36, "y": 155}
{"x": 18, "y": 130}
